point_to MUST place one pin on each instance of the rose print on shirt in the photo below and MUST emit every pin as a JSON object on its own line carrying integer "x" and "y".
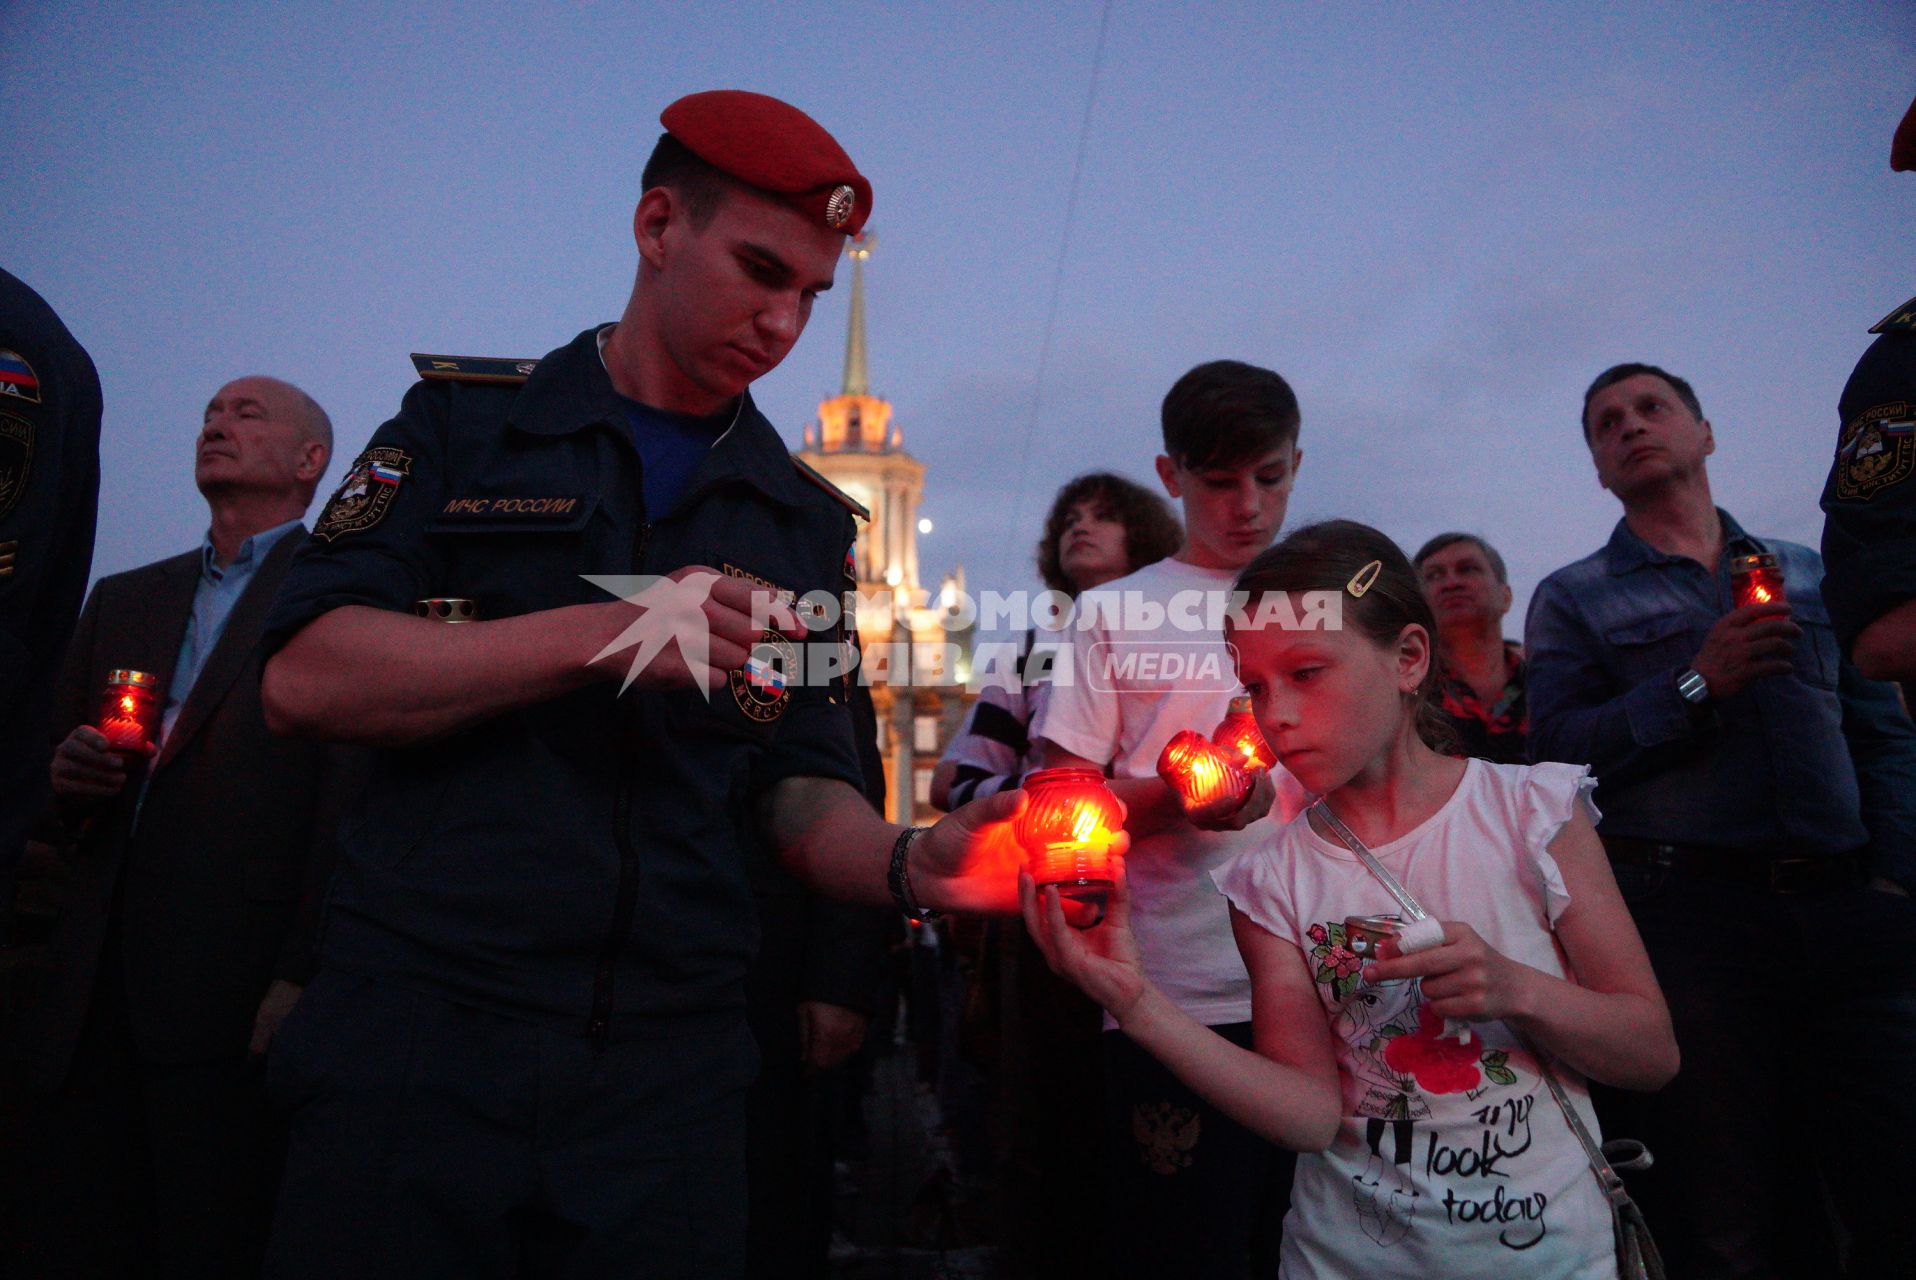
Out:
{"x": 1439, "y": 1064}
{"x": 1333, "y": 963}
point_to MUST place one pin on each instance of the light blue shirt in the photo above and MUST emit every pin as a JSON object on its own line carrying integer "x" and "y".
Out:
{"x": 218, "y": 591}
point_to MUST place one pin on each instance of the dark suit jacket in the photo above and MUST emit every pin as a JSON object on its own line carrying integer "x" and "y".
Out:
{"x": 218, "y": 884}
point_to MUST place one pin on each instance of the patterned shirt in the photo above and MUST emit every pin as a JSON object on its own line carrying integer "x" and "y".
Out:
{"x": 1496, "y": 732}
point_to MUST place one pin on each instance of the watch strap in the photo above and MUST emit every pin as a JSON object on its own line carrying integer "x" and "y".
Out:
{"x": 898, "y": 876}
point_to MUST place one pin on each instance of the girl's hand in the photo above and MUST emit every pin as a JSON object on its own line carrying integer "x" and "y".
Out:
{"x": 1464, "y": 976}
{"x": 1102, "y": 961}
{"x": 1225, "y": 814}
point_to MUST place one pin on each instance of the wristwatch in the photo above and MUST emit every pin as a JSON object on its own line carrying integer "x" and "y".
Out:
{"x": 1693, "y": 687}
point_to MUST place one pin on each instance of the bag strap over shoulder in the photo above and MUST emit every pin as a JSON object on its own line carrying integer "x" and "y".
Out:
{"x": 1607, "y": 1176}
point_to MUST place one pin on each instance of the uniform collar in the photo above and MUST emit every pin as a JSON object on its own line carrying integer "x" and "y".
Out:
{"x": 571, "y": 390}
{"x": 1625, "y": 551}
{"x": 568, "y": 391}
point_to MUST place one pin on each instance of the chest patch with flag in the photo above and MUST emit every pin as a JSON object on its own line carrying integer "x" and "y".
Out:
{"x": 762, "y": 687}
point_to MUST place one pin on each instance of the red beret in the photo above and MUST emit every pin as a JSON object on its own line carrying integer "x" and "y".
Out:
{"x": 1902, "y": 148}
{"x": 776, "y": 147}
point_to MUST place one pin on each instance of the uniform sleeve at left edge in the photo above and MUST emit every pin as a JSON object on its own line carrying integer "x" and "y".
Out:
{"x": 815, "y": 736}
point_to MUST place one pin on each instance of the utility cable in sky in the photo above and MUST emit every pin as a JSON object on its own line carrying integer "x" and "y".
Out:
{"x": 1057, "y": 275}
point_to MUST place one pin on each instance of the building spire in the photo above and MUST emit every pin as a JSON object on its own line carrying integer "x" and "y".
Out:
{"x": 857, "y": 376}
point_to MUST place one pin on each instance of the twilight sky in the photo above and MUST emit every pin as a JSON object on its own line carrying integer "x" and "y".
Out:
{"x": 1437, "y": 221}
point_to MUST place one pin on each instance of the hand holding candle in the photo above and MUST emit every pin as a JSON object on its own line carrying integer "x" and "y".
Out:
{"x": 1202, "y": 773}
{"x": 1068, "y": 829}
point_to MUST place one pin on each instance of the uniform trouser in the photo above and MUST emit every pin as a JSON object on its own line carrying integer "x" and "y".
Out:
{"x": 432, "y": 1139}
{"x": 1193, "y": 1193}
{"x": 789, "y": 1113}
{"x": 145, "y": 1168}
{"x": 1796, "y": 1019}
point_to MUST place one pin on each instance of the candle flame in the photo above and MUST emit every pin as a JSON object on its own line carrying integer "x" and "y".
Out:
{"x": 1200, "y": 770}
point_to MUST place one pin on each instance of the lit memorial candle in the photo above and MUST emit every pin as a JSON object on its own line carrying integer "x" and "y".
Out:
{"x": 130, "y": 711}
{"x": 1200, "y": 770}
{"x": 1756, "y": 578}
{"x": 1238, "y": 734}
{"x": 1067, "y": 829}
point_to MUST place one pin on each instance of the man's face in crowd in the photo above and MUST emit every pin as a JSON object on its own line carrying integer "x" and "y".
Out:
{"x": 1091, "y": 545}
{"x": 255, "y": 437}
{"x": 1642, "y": 435}
{"x": 1231, "y": 513}
{"x": 734, "y": 294}
{"x": 1462, "y": 587}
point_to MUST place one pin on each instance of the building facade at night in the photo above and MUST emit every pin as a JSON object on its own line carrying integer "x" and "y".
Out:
{"x": 917, "y": 667}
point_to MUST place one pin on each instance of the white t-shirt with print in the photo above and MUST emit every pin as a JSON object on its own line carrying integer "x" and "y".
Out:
{"x": 1452, "y": 1158}
{"x": 1132, "y": 686}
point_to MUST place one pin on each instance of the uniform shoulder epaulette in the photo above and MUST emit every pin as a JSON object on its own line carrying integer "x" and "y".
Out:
{"x": 472, "y": 368}
{"x": 837, "y": 494}
{"x": 1903, "y": 318}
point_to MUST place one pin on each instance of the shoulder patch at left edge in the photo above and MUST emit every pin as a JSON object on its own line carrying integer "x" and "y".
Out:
{"x": 837, "y": 494}
{"x": 1877, "y": 450}
{"x": 1903, "y": 318}
{"x": 472, "y": 368}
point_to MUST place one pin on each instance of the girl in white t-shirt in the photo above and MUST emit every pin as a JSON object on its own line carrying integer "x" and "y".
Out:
{"x": 1432, "y": 1154}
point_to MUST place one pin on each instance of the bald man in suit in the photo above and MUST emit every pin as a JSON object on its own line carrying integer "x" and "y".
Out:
{"x": 193, "y": 876}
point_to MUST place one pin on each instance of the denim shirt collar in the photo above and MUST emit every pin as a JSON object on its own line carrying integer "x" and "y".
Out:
{"x": 1626, "y": 552}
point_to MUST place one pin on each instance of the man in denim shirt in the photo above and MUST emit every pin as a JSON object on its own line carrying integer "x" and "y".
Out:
{"x": 1759, "y": 802}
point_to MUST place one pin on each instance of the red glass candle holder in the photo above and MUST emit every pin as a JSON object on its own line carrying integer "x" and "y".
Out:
{"x": 1238, "y": 734}
{"x": 1067, "y": 829}
{"x": 1200, "y": 770}
{"x": 130, "y": 711}
{"x": 1756, "y": 579}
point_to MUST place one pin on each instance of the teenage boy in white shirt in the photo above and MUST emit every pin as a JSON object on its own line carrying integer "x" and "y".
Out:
{"x": 1194, "y": 1193}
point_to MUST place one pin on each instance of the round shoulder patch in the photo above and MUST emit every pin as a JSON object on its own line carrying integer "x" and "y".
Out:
{"x": 762, "y": 687}
{"x": 1878, "y": 449}
{"x": 365, "y": 494}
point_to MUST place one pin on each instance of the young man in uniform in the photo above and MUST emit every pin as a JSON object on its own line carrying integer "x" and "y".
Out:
{"x": 1191, "y": 1189}
{"x": 526, "y": 1046}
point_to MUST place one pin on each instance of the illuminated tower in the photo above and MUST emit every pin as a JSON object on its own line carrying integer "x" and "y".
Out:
{"x": 856, "y": 445}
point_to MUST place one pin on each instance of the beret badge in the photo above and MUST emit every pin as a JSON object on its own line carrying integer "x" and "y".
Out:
{"x": 839, "y": 206}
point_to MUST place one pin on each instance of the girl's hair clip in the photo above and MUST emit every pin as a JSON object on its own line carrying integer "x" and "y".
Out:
{"x": 1364, "y": 579}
